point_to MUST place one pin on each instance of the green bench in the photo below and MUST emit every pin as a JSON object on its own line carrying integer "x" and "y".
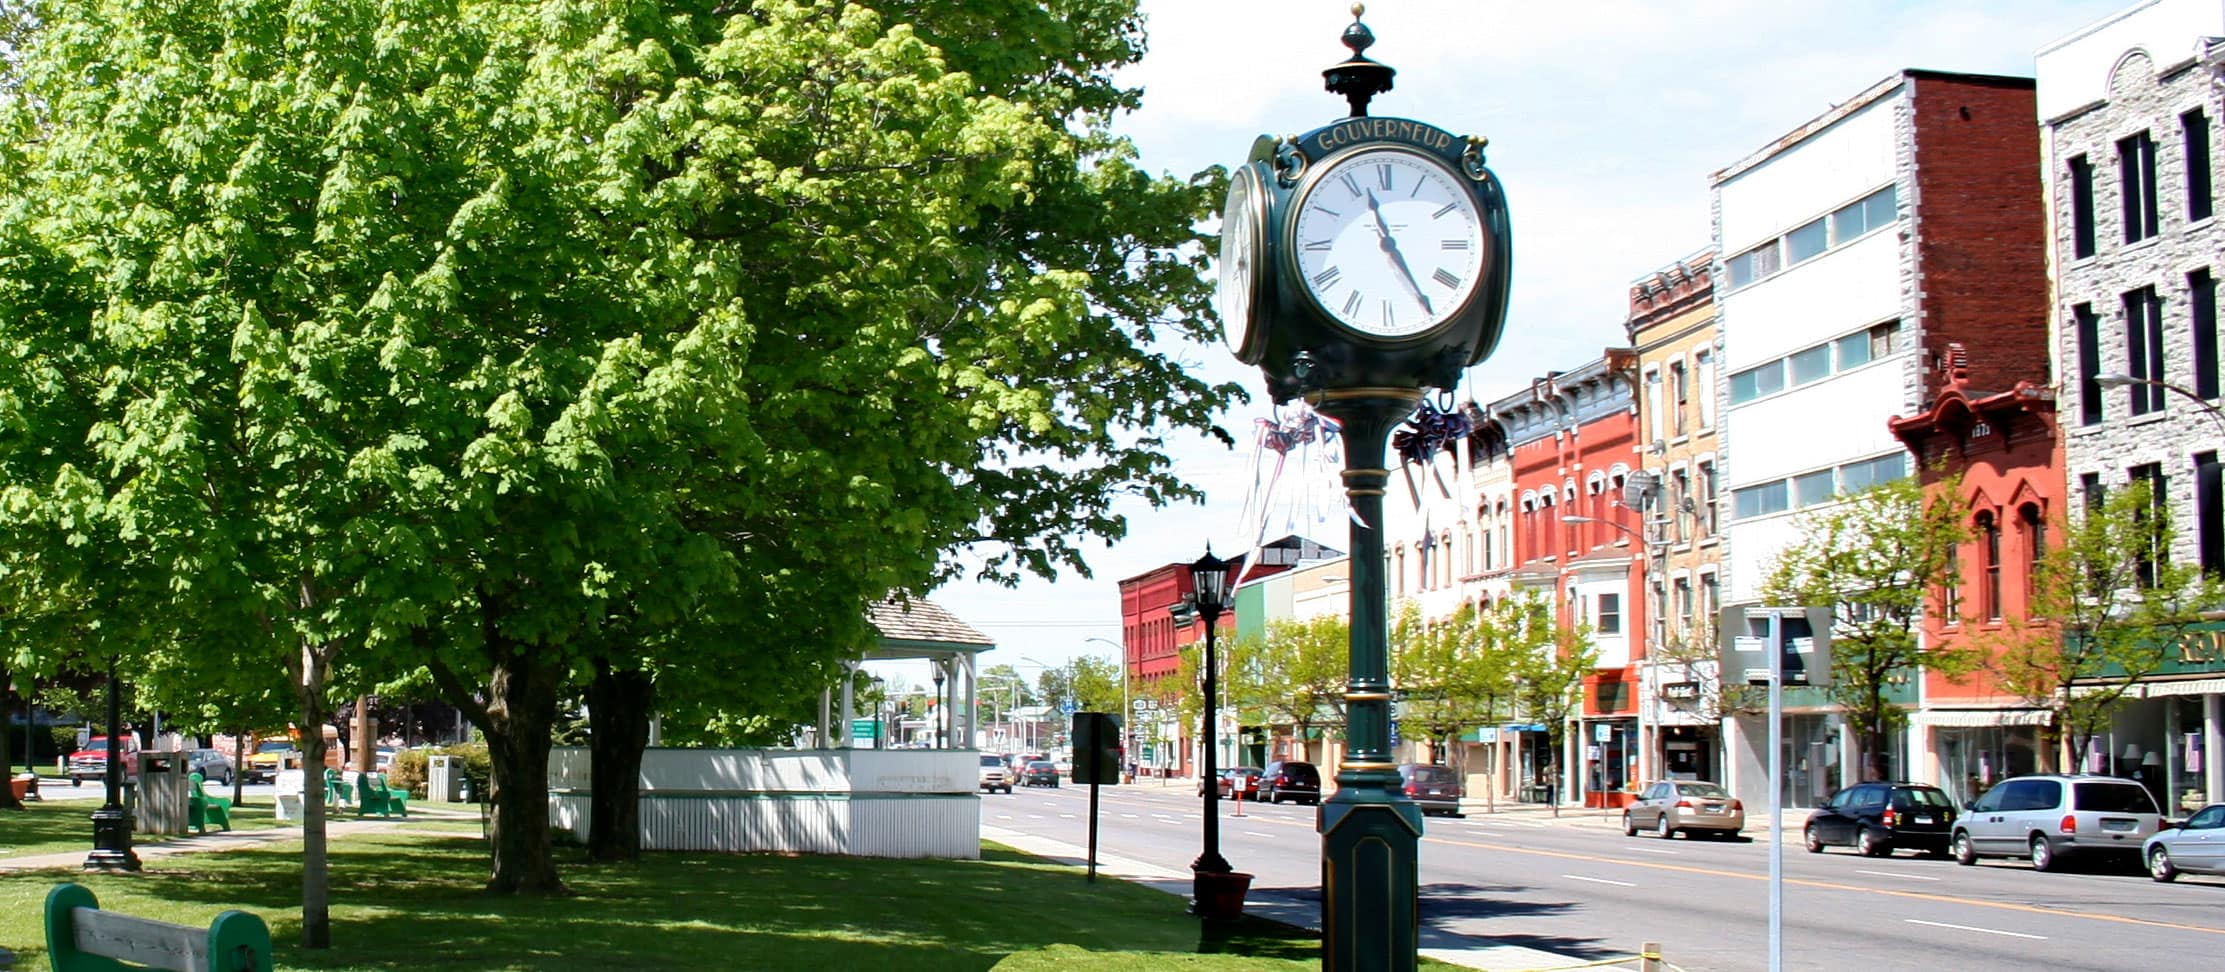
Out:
{"x": 201, "y": 809}
{"x": 82, "y": 938}
{"x": 372, "y": 795}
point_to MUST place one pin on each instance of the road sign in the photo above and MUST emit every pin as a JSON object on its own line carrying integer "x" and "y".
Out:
{"x": 1150, "y": 753}
{"x": 865, "y": 729}
{"x": 1067, "y": 707}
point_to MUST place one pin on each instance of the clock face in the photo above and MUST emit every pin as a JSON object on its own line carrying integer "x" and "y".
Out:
{"x": 1388, "y": 242}
{"x": 1243, "y": 251}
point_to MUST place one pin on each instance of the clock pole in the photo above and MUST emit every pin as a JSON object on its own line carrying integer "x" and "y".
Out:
{"x": 1370, "y": 833}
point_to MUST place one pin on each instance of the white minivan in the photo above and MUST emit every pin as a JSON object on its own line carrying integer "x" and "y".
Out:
{"x": 2049, "y": 818}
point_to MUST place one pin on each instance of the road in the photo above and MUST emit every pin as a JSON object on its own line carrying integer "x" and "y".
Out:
{"x": 1579, "y": 888}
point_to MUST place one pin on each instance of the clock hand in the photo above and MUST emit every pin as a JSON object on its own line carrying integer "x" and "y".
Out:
{"x": 1398, "y": 261}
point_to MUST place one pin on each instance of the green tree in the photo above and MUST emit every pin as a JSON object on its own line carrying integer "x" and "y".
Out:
{"x": 1551, "y": 662}
{"x": 1877, "y": 559}
{"x": 526, "y": 341}
{"x": 1298, "y": 676}
{"x": 1459, "y": 672}
{"x": 2107, "y": 608}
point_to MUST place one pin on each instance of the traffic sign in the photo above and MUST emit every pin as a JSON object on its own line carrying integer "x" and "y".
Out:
{"x": 1067, "y": 707}
{"x": 865, "y": 728}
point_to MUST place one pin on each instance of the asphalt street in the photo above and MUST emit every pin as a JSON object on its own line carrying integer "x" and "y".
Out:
{"x": 1578, "y": 888}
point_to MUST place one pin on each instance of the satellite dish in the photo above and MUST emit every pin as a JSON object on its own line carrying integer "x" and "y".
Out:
{"x": 1636, "y": 487}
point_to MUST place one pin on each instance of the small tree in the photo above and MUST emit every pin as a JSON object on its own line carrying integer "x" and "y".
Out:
{"x": 2106, "y": 608}
{"x": 1550, "y": 661}
{"x": 1877, "y": 558}
{"x": 1296, "y": 675}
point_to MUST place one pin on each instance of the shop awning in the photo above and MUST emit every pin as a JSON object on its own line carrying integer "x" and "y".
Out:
{"x": 1973, "y": 718}
{"x": 2198, "y": 686}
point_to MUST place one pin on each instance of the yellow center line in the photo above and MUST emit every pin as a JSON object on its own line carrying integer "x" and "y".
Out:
{"x": 1806, "y": 883}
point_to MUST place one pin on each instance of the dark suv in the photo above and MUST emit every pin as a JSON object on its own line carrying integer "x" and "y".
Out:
{"x": 1292, "y": 780}
{"x": 1878, "y": 818}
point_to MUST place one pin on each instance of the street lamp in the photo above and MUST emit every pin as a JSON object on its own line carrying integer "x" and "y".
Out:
{"x": 942, "y": 711}
{"x": 2118, "y": 379}
{"x": 1212, "y": 579}
{"x": 112, "y": 823}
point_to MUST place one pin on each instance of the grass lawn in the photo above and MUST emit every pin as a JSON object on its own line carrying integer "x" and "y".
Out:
{"x": 404, "y": 899}
{"x": 54, "y": 826}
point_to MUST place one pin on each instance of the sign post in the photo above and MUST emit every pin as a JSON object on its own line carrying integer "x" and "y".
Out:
{"x": 1774, "y": 645}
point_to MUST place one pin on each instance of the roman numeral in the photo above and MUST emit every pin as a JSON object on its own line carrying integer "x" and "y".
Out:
{"x": 1351, "y": 182}
{"x": 1326, "y": 211}
{"x": 1352, "y": 304}
{"x": 1454, "y": 244}
{"x": 1318, "y": 244}
{"x": 1390, "y": 318}
{"x": 1445, "y": 277}
{"x": 1383, "y": 175}
{"x": 1326, "y": 277}
{"x": 1442, "y": 210}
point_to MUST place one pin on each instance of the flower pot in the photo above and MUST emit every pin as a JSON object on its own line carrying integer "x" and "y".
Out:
{"x": 1220, "y": 894}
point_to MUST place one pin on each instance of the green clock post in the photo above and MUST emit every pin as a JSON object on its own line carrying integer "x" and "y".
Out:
{"x": 1362, "y": 263}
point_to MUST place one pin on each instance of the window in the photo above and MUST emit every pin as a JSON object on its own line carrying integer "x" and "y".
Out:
{"x": 1759, "y": 500}
{"x": 2201, "y": 302}
{"x": 1989, "y": 548}
{"x": 1704, "y": 363}
{"x": 2035, "y": 546}
{"x": 1874, "y": 211}
{"x": 1680, "y": 493}
{"x": 2090, "y": 493}
{"x": 1805, "y": 243}
{"x": 1710, "y": 598}
{"x": 2136, "y": 182}
{"x": 2144, "y": 348}
{"x": 1707, "y": 499}
{"x": 1855, "y": 477}
{"x": 2153, "y": 554}
{"x": 1885, "y": 339}
{"x": 2089, "y": 364}
{"x": 1810, "y": 489}
{"x": 1753, "y": 383}
{"x": 2209, "y": 512}
{"x": 2082, "y": 207}
{"x": 1811, "y": 364}
{"x": 1950, "y": 595}
{"x": 1680, "y": 389}
{"x": 1653, "y": 405}
{"x": 1610, "y": 614}
{"x": 1684, "y": 601}
{"x": 2196, "y": 127}
{"x": 1754, "y": 264}
{"x": 1853, "y": 350}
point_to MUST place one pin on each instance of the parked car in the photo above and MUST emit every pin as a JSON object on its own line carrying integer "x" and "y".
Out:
{"x": 91, "y": 762}
{"x": 993, "y": 775}
{"x": 270, "y": 756}
{"x": 1878, "y": 818}
{"x": 214, "y": 766}
{"x": 1434, "y": 787}
{"x": 2049, "y": 818}
{"x": 2194, "y": 847}
{"x": 1289, "y": 779}
{"x": 1249, "y": 775}
{"x": 1041, "y": 772}
{"x": 1692, "y": 807}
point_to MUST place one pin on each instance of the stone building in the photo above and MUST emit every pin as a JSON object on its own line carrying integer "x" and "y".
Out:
{"x": 2128, "y": 109}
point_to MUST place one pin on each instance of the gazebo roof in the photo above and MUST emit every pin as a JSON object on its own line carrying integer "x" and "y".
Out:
{"x": 920, "y": 628}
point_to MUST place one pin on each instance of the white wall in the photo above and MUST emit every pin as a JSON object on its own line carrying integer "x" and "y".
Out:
{"x": 1834, "y": 167}
{"x": 1820, "y": 424}
{"x": 2074, "y": 71}
{"x": 1850, "y": 287}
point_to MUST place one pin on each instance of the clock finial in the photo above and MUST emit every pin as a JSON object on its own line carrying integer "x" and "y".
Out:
{"x": 1358, "y": 79}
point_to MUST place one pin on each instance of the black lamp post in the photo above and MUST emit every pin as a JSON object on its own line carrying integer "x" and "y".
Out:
{"x": 1212, "y": 580}
{"x": 941, "y": 710}
{"x": 112, "y": 823}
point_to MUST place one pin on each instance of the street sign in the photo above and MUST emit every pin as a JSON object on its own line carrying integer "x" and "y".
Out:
{"x": 1067, "y": 707}
{"x": 865, "y": 729}
{"x": 1150, "y": 753}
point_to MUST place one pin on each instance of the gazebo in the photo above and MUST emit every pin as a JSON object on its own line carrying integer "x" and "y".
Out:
{"x": 917, "y": 629}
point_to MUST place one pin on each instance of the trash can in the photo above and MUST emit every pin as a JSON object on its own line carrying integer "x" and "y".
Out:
{"x": 444, "y": 779}
{"x": 161, "y": 806}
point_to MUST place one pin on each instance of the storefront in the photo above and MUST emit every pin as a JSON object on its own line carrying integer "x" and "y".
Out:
{"x": 1610, "y": 770}
{"x": 1975, "y": 749}
{"x": 1688, "y": 753}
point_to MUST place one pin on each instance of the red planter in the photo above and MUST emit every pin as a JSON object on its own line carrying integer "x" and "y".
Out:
{"x": 1220, "y": 896}
{"x": 21, "y": 785}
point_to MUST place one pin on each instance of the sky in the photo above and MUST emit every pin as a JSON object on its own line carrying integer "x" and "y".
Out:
{"x": 1605, "y": 120}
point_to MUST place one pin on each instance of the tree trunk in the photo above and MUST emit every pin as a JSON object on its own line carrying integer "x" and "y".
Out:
{"x": 521, "y": 712}
{"x": 8, "y": 701}
{"x": 316, "y": 875}
{"x": 618, "y": 708}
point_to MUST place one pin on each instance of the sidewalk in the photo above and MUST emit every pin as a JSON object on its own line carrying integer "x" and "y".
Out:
{"x": 1302, "y": 910}
{"x": 233, "y": 839}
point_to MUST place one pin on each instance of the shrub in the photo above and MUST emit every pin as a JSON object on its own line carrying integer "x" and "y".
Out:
{"x": 478, "y": 767}
{"x": 408, "y": 772}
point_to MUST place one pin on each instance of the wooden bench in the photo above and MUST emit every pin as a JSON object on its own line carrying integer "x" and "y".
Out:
{"x": 82, "y": 938}
{"x": 372, "y": 795}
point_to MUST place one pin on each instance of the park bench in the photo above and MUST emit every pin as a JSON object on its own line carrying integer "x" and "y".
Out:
{"x": 82, "y": 938}
{"x": 372, "y": 795}
{"x": 335, "y": 788}
{"x": 201, "y": 809}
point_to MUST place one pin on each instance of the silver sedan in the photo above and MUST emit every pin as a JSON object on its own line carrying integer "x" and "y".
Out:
{"x": 2194, "y": 847}
{"x": 1691, "y": 806}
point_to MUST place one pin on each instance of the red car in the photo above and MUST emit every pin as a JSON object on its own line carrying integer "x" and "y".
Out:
{"x": 91, "y": 762}
{"x": 1248, "y": 774}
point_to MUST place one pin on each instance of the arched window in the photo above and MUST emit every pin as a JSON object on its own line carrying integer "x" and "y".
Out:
{"x": 1989, "y": 547}
{"x": 2035, "y": 547}
{"x": 1444, "y": 556}
{"x": 1950, "y": 597}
